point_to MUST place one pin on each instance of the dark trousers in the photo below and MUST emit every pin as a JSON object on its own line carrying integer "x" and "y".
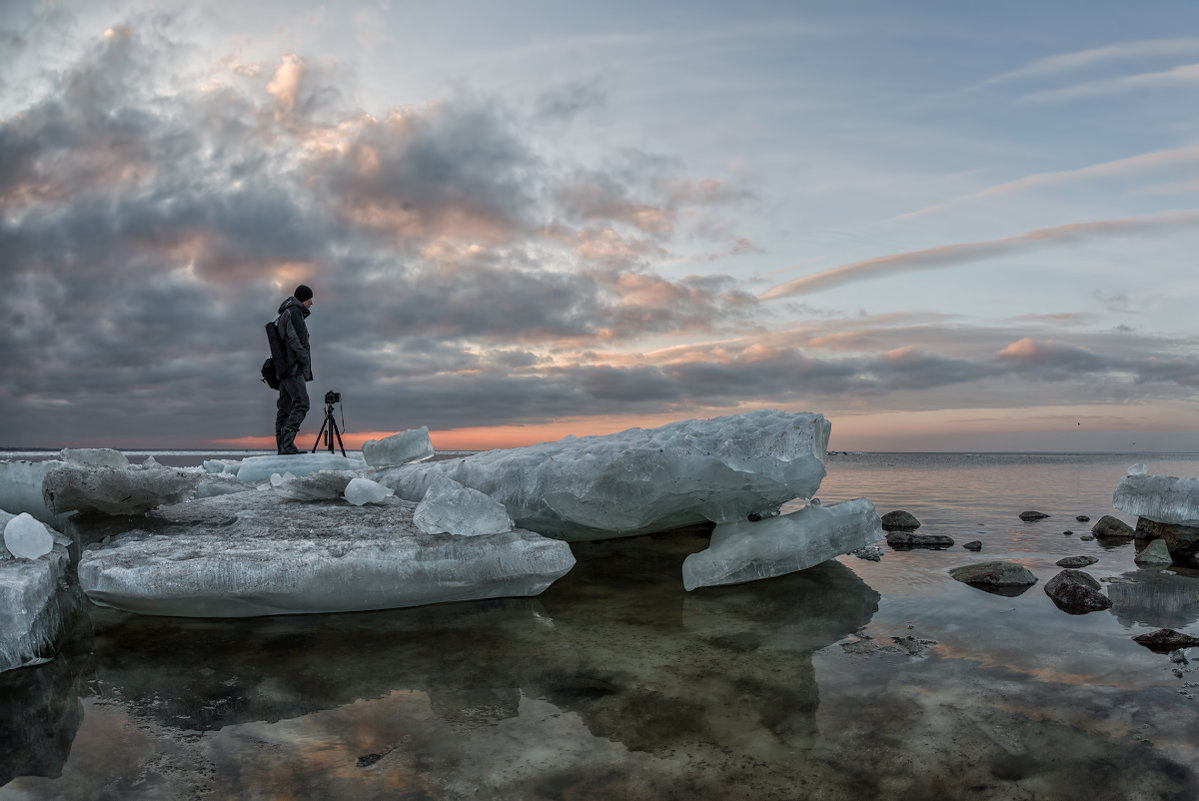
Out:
{"x": 293, "y": 404}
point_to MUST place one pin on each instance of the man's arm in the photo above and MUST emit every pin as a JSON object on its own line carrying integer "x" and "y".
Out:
{"x": 297, "y": 347}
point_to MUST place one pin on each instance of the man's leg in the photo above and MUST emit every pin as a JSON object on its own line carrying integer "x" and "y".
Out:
{"x": 297, "y": 393}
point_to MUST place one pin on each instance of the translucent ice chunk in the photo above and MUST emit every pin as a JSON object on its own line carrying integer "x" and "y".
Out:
{"x": 31, "y": 603}
{"x": 1137, "y": 469}
{"x": 258, "y": 468}
{"x": 1166, "y": 499}
{"x": 362, "y": 491}
{"x": 745, "y": 551}
{"x": 323, "y": 485}
{"x": 408, "y": 446}
{"x": 27, "y": 538}
{"x": 454, "y": 509}
{"x": 116, "y": 490}
{"x": 94, "y": 457}
{"x": 640, "y": 481}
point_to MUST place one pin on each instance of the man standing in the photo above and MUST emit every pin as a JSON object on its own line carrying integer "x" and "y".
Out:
{"x": 293, "y": 394}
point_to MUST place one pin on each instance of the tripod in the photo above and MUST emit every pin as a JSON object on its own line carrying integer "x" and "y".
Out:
{"x": 329, "y": 430}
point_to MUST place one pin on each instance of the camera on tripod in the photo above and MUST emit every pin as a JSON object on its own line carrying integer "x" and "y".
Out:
{"x": 329, "y": 430}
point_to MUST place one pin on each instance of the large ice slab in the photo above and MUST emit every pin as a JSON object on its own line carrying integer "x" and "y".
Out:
{"x": 259, "y": 468}
{"x": 223, "y": 557}
{"x": 1166, "y": 499}
{"x": 31, "y": 613}
{"x": 643, "y": 480}
{"x": 408, "y": 446}
{"x": 746, "y": 551}
{"x": 116, "y": 490}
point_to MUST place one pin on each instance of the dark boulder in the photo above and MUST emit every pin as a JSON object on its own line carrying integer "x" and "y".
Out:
{"x": 1163, "y": 641}
{"x": 1076, "y": 592}
{"x": 1003, "y": 578}
{"x": 899, "y": 520}
{"x": 1082, "y": 519}
{"x": 1112, "y": 528}
{"x": 1181, "y": 541}
{"x": 1076, "y": 561}
{"x": 903, "y": 540}
{"x": 1031, "y": 516}
{"x": 976, "y": 545}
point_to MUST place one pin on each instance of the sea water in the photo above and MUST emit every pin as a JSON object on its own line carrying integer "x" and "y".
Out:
{"x": 851, "y": 680}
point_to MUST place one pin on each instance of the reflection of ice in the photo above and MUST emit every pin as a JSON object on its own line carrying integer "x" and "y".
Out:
{"x": 1154, "y": 598}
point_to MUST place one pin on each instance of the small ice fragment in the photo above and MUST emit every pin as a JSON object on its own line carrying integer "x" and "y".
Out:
{"x": 1137, "y": 469}
{"x": 452, "y": 508}
{"x": 278, "y": 480}
{"x": 362, "y": 491}
{"x": 151, "y": 462}
{"x": 27, "y": 538}
{"x": 94, "y": 457}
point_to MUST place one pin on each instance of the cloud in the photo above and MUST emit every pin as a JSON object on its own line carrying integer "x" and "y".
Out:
{"x": 1182, "y": 75}
{"x": 1146, "y": 162}
{"x": 969, "y": 252}
{"x": 568, "y": 100}
{"x": 1083, "y": 59}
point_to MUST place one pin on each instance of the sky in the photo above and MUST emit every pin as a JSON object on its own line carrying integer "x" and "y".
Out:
{"x": 943, "y": 225}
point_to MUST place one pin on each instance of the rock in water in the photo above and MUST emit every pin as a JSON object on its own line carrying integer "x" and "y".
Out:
{"x": 640, "y": 481}
{"x": 448, "y": 507}
{"x": 1166, "y": 499}
{"x": 413, "y": 445}
{"x": 903, "y": 540}
{"x": 745, "y": 551}
{"x": 361, "y": 491}
{"x": 27, "y": 538}
{"x": 1076, "y": 592}
{"x": 1163, "y": 641}
{"x": 1003, "y": 578}
{"x": 216, "y": 558}
{"x": 32, "y": 611}
{"x": 1076, "y": 561}
{"x": 900, "y": 520}
{"x": 115, "y": 490}
{"x": 1109, "y": 527}
{"x": 1032, "y": 515}
{"x": 1155, "y": 553}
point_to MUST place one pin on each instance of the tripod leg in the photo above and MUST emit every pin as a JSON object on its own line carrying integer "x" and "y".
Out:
{"x": 320, "y": 434}
{"x": 334, "y": 431}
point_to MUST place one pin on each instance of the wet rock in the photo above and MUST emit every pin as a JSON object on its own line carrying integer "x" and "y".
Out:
{"x": 1082, "y": 518}
{"x": 1182, "y": 541}
{"x": 1076, "y": 561}
{"x": 1110, "y": 527}
{"x": 1155, "y": 553}
{"x": 904, "y": 540}
{"x": 1003, "y": 578}
{"x": 1031, "y": 516}
{"x": 976, "y": 545}
{"x": 1163, "y": 641}
{"x": 1076, "y": 592}
{"x": 899, "y": 520}
{"x": 1087, "y": 537}
{"x": 1067, "y": 533}
{"x": 872, "y": 552}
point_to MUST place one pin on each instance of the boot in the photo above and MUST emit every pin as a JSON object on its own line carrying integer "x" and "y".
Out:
{"x": 287, "y": 441}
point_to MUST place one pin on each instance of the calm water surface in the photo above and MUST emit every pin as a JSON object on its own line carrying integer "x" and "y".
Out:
{"x": 617, "y": 684}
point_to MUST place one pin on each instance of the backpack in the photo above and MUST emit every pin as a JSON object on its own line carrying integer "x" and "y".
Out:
{"x": 276, "y": 366}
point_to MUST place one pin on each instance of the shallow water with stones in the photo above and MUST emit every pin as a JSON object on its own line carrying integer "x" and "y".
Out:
{"x": 615, "y": 683}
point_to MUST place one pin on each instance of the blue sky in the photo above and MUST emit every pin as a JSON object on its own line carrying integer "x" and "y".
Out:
{"x": 944, "y": 225}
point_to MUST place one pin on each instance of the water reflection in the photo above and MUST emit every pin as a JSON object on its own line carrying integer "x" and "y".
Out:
{"x": 1154, "y": 597}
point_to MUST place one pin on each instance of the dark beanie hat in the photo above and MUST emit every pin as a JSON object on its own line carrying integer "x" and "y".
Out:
{"x": 303, "y": 293}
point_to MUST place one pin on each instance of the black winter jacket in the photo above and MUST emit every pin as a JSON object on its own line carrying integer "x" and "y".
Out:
{"x": 294, "y": 333}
